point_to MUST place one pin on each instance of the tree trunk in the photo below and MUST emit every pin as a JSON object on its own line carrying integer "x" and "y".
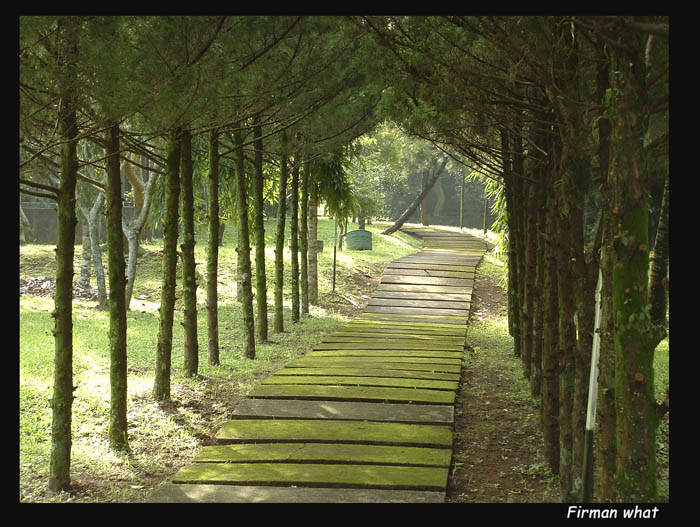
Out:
{"x": 416, "y": 202}
{"x": 294, "y": 241}
{"x": 189, "y": 278}
{"x": 144, "y": 188}
{"x": 86, "y": 258}
{"x": 245, "y": 272}
{"x": 118, "y": 438}
{"x": 313, "y": 242}
{"x": 90, "y": 227}
{"x": 550, "y": 356}
{"x": 161, "y": 386}
{"x": 279, "y": 239}
{"x": 62, "y": 398}
{"x": 260, "y": 275}
{"x": 213, "y": 250}
{"x": 425, "y": 181}
{"x": 635, "y": 339}
{"x": 303, "y": 238}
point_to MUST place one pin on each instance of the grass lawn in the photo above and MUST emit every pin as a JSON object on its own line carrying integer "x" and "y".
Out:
{"x": 164, "y": 437}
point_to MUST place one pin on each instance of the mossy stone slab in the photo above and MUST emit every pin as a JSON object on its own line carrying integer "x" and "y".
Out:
{"x": 369, "y": 372}
{"x": 203, "y": 493}
{"x": 380, "y": 363}
{"x": 315, "y": 475}
{"x": 420, "y": 311}
{"x": 325, "y": 453}
{"x": 426, "y": 280}
{"x": 390, "y": 353}
{"x": 396, "y": 317}
{"x": 346, "y": 410}
{"x": 366, "y": 336}
{"x": 332, "y": 430}
{"x": 383, "y": 343}
{"x": 406, "y": 302}
{"x": 362, "y": 381}
{"x": 352, "y": 393}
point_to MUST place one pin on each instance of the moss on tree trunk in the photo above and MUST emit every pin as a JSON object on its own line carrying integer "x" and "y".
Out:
{"x": 294, "y": 242}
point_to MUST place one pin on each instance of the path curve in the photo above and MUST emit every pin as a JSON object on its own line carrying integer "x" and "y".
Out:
{"x": 367, "y": 415}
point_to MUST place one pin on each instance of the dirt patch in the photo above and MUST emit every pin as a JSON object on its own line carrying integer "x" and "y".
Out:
{"x": 45, "y": 286}
{"x": 497, "y": 443}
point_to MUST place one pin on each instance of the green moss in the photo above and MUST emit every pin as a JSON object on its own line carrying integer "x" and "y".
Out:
{"x": 324, "y": 453}
{"x": 326, "y": 475}
{"x": 359, "y": 393}
{"x": 335, "y": 430}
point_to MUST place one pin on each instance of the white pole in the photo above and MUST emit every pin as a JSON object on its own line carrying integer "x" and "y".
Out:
{"x": 592, "y": 400}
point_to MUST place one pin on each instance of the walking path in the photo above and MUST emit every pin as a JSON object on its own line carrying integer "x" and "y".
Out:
{"x": 367, "y": 415}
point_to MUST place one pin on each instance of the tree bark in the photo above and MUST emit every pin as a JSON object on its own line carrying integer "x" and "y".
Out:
{"x": 132, "y": 230}
{"x": 279, "y": 239}
{"x": 213, "y": 251}
{"x": 86, "y": 258}
{"x": 303, "y": 239}
{"x": 62, "y": 398}
{"x": 425, "y": 181}
{"x": 550, "y": 357}
{"x": 294, "y": 241}
{"x": 189, "y": 278}
{"x": 416, "y": 202}
{"x": 260, "y": 275}
{"x": 313, "y": 241}
{"x": 161, "y": 386}
{"x": 635, "y": 335}
{"x": 245, "y": 272}
{"x": 118, "y": 437}
{"x": 91, "y": 222}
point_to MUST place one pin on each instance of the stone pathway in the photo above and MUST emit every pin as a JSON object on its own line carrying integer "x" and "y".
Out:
{"x": 367, "y": 415}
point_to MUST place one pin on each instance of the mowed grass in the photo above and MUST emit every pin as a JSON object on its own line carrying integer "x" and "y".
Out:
{"x": 164, "y": 437}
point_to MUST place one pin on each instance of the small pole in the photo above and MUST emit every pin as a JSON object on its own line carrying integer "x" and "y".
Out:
{"x": 335, "y": 247}
{"x": 587, "y": 491}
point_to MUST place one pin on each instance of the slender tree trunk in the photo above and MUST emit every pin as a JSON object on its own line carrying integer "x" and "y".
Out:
{"x": 279, "y": 240}
{"x": 425, "y": 181}
{"x": 118, "y": 438}
{"x": 313, "y": 241}
{"x": 161, "y": 386}
{"x": 134, "y": 228}
{"x": 260, "y": 275}
{"x": 530, "y": 289}
{"x": 62, "y": 398}
{"x": 245, "y": 272}
{"x": 86, "y": 257}
{"x": 416, "y": 202}
{"x": 303, "y": 238}
{"x": 550, "y": 344}
{"x": 567, "y": 344}
{"x": 294, "y": 242}
{"x": 189, "y": 286}
{"x": 213, "y": 250}
{"x": 510, "y": 189}
{"x": 90, "y": 227}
